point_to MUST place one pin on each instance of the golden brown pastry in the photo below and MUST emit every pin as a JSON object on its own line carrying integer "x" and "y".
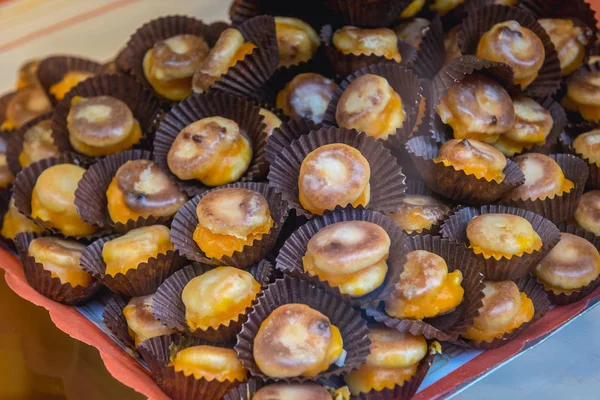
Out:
{"x": 53, "y": 200}
{"x": 515, "y": 45}
{"x": 6, "y": 175}
{"x": 502, "y": 235}
{"x": 135, "y": 247}
{"x": 394, "y": 359}
{"x": 209, "y": 362}
{"x": 27, "y": 75}
{"x": 413, "y": 31}
{"x": 14, "y": 223}
{"x": 27, "y": 104}
{"x": 504, "y": 310}
{"x": 474, "y": 158}
{"x": 171, "y": 63}
{"x": 218, "y": 297}
{"x": 418, "y": 213}
{"x": 334, "y": 175}
{"x": 451, "y": 45}
{"x": 71, "y": 79}
{"x": 38, "y": 144}
{"x": 296, "y": 340}
{"x": 587, "y": 214}
{"x": 350, "y": 255}
{"x": 583, "y": 95}
{"x": 297, "y": 41}
{"x": 371, "y": 105}
{"x": 306, "y": 96}
{"x": 141, "y": 189}
{"x": 477, "y": 108}
{"x": 229, "y": 219}
{"x": 141, "y": 321}
{"x": 426, "y": 289}
{"x": 413, "y": 9}
{"x": 381, "y": 42}
{"x": 445, "y": 6}
{"x": 543, "y": 178}
{"x": 61, "y": 258}
{"x": 571, "y": 265}
{"x": 213, "y": 150}
{"x": 588, "y": 146}
{"x": 271, "y": 121}
{"x": 101, "y": 125}
{"x": 292, "y": 391}
{"x": 569, "y": 40}
{"x": 230, "y": 48}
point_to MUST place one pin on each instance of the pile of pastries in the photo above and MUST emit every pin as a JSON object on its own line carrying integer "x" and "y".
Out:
{"x": 304, "y": 203}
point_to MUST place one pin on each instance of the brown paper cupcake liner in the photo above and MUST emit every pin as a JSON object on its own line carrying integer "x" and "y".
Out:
{"x": 558, "y": 208}
{"x": 312, "y": 12}
{"x": 115, "y": 321}
{"x": 541, "y": 304}
{"x": 345, "y": 64}
{"x": 290, "y": 256}
{"x": 42, "y": 281}
{"x": 403, "y": 81}
{"x": 14, "y": 142}
{"x": 90, "y": 196}
{"x": 142, "y": 103}
{"x": 140, "y": 281}
{"x": 456, "y": 184}
{"x": 387, "y": 180}
{"x": 197, "y": 107}
{"x": 186, "y": 221}
{"x": 53, "y": 69}
{"x": 4, "y": 100}
{"x": 566, "y": 140}
{"x": 579, "y": 11}
{"x": 432, "y": 52}
{"x": 455, "y": 227}
{"x": 169, "y": 309}
{"x": 451, "y": 325}
{"x": 5, "y": 195}
{"x": 367, "y": 13}
{"x": 245, "y": 391}
{"x": 286, "y": 133}
{"x": 482, "y": 20}
{"x": 353, "y": 328}
{"x": 157, "y": 354}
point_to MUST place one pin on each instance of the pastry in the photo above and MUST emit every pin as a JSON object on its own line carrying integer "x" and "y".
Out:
{"x": 451, "y": 45}
{"x": 296, "y": 340}
{"x": 474, "y": 158}
{"x": 218, "y": 297}
{"x": 71, "y": 79}
{"x": 140, "y": 189}
{"x": 583, "y": 95}
{"x": 306, "y": 96}
{"x": 171, "y": 63}
{"x": 587, "y": 214}
{"x": 350, "y": 255}
{"x": 569, "y": 40}
{"x": 213, "y": 150}
{"x": 297, "y": 41}
{"x": 334, "y": 175}
{"x": 271, "y": 121}
{"x": 292, "y": 391}
{"x": 588, "y": 146}
{"x": 230, "y": 219}
{"x": 101, "y": 125}
{"x": 141, "y": 322}
{"x": 27, "y": 75}
{"x": 445, "y": 6}
{"x": 515, "y": 45}
{"x": 209, "y": 363}
{"x": 413, "y": 31}
{"x": 477, "y": 108}
{"x": 370, "y": 104}
{"x": 38, "y": 144}
{"x": 413, "y": 9}
{"x": 27, "y": 104}
{"x": 381, "y": 42}
{"x": 419, "y": 212}
{"x": 61, "y": 258}
{"x": 504, "y": 310}
{"x": 14, "y": 223}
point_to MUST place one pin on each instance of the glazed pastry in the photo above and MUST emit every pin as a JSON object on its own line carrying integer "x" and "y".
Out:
{"x": 53, "y": 200}
{"x": 381, "y": 42}
{"x": 474, "y": 158}
{"x": 532, "y": 126}
{"x": 25, "y": 105}
{"x": 426, "y": 289}
{"x": 209, "y": 362}
{"x": 61, "y": 258}
{"x": 27, "y": 75}
{"x": 292, "y": 391}
{"x": 230, "y": 48}
{"x": 135, "y": 247}
{"x": 350, "y": 255}
{"x": 587, "y": 214}
{"x": 572, "y": 264}
{"x": 296, "y": 340}
{"x": 218, "y": 297}
{"x": 170, "y": 65}
{"x": 451, "y": 45}
{"x": 413, "y": 31}
{"x": 504, "y": 310}
{"x": 583, "y": 95}
{"x": 543, "y": 178}
{"x": 306, "y": 96}
{"x": 413, "y": 9}
{"x": 394, "y": 359}
{"x": 570, "y": 41}
{"x": 68, "y": 82}
{"x": 334, "y": 175}
{"x": 141, "y": 189}
{"x": 445, "y": 6}
{"x": 297, "y": 41}
{"x": 230, "y": 219}
{"x": 271, "y": 121}
{"x": 477, "y": 108}
{"x": 418, "y": 213}
{"x": 502, "y": 235}
{"x": 6, "y": 175}
{"x": 515, "y": 45}
{"x": 213, "y": 150}
{"x": 14, "y": 223}
{"x": 101, "y": 125}
{"x": 141, "y": 322}
{"x": 38, "y": 144}
{"x": 370, "y": 104}
{"x": 588, "y": 146}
